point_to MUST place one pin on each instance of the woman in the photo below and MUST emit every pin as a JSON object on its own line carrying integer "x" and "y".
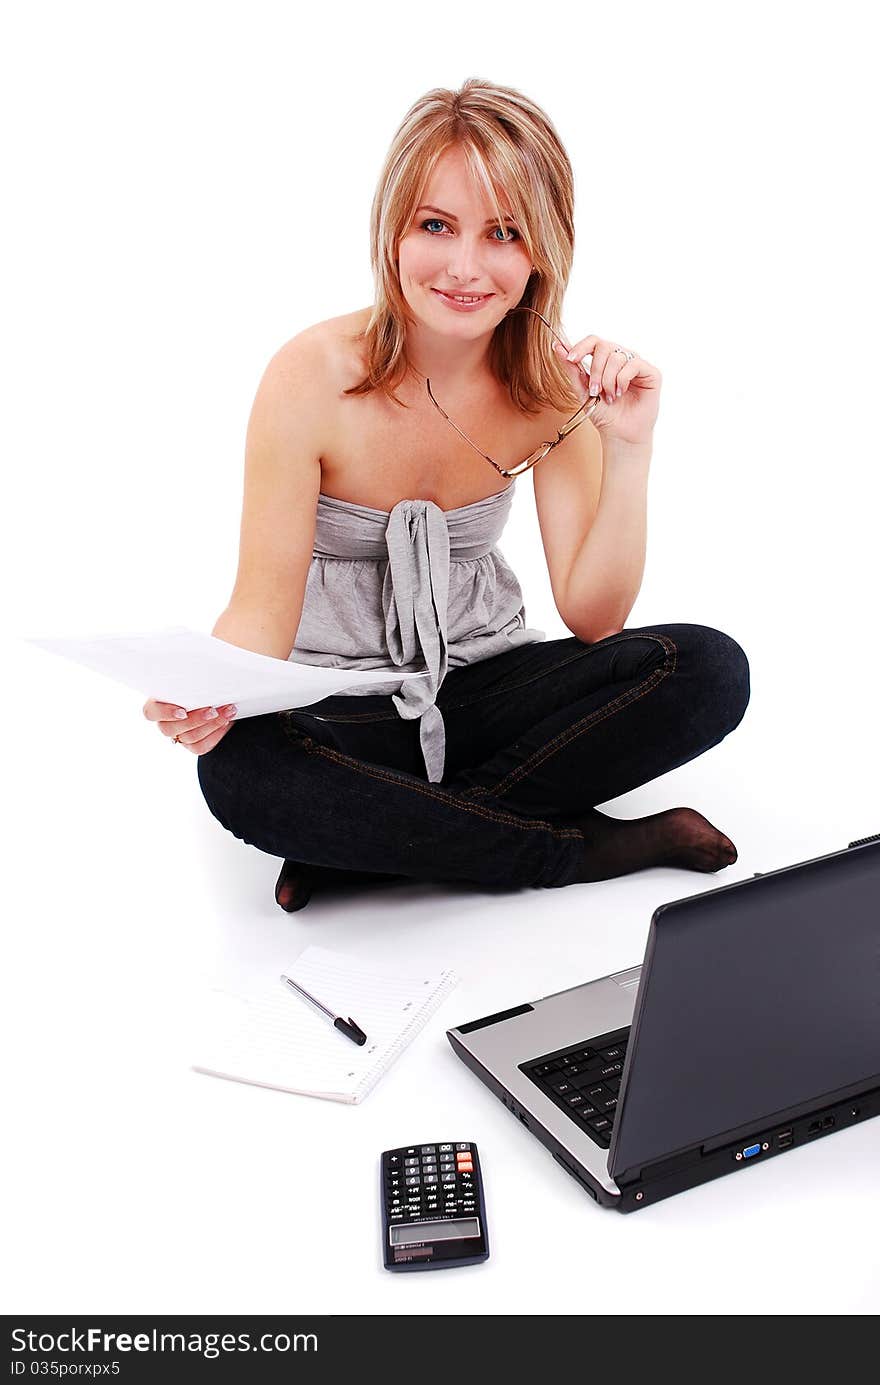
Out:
{"x": 369, "y": 534}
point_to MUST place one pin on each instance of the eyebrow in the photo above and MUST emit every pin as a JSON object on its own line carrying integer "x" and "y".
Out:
{"x": 452, "y": 217}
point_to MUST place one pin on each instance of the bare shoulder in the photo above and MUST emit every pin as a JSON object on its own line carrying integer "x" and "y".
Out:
{"x": 325, "y": 353}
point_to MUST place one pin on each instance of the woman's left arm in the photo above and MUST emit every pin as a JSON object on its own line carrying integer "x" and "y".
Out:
{"x": 592, "y": 501}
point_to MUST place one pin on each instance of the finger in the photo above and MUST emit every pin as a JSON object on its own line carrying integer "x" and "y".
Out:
{"x": 203, "y": 717}
{"x": 583, "y": 348}
{"x": 207, "y": 742}
{"x": 611, "y": 373}
{"x": 627, "y": 374}
{"x": 598, "y": 383}
{"x": 200, "y": 732}
{"x": 163, "y": 711}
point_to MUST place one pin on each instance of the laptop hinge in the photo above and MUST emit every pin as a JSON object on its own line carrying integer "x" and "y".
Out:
{"x": 662, "y": 1167}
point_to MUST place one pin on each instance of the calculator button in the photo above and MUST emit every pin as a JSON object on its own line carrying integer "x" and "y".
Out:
{"x": 448, "y": 1177}
{"x": 413, "y": 1182}
{"x": 428, "y": 1149}
{"x": 430, "y": 1178}
{"x": 462, "y": 1146}
{"x": 443, "y": 1148}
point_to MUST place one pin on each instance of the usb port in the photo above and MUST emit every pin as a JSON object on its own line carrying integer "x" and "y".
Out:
{"x": 784, "y": 1139}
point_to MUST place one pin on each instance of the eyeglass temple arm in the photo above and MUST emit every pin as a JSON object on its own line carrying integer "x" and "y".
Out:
{"x": 485, "y": 455}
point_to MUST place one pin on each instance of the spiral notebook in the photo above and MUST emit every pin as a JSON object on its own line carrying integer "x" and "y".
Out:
{"x": 273, "y": 1038}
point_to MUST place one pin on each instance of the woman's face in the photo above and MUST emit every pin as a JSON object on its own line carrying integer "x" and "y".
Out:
{"x": 460, "y": 249}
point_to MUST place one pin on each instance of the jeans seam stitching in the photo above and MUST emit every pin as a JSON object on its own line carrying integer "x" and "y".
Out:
{"x": 514, "y": 687}
{"x": 579, "y": 727}
{"x": 467, "y": 701}
{"x": 375, "y": 772}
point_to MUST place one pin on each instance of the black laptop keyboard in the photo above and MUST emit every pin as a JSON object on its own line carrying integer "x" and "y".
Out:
{"x": 584, "y": 1081}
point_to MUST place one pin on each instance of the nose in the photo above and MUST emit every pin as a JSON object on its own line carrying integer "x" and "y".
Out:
{"x": 463, "y": 264}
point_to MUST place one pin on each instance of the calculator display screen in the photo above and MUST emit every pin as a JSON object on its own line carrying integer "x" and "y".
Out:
{"x": 434, "y": 1231}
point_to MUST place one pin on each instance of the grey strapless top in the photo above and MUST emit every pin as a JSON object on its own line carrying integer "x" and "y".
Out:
{"x": 418, "y": 587}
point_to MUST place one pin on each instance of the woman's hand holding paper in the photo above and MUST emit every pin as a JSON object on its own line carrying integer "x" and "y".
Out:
{"x": 199, "y": 730}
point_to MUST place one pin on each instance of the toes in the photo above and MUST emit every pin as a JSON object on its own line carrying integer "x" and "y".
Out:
{"x": 293, "y": 889}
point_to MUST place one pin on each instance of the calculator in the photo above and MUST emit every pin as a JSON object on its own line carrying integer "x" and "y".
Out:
{"x": 433, "y": 1213}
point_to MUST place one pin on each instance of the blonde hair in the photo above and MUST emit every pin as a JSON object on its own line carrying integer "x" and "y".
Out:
{"x": 515, "y": 154}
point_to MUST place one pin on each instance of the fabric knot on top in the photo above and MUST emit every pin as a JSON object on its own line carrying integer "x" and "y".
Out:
{"x": 415, "y": 599}
{"x": 422, "y": 587}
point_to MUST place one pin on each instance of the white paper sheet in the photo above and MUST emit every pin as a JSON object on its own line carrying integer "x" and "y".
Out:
{"x": 195, "y": 670}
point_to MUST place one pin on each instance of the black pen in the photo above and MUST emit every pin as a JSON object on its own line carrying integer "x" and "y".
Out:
{"x": 347, "y": 1027}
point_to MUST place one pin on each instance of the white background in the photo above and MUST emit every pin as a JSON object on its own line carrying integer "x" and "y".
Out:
{"x": 188, "y": 186}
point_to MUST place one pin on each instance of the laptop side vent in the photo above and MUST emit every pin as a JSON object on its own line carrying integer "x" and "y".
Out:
{"x": 863, "y": 841}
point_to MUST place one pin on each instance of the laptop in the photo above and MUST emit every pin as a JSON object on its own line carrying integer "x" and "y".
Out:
{"x": 751, "y": 1027}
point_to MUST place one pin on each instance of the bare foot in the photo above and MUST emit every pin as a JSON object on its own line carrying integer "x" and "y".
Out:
{"x": 677, "y": 837}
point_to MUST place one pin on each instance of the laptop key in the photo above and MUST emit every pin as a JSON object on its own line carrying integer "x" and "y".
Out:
{"x": 599, "y": 1095}
{"x": 584, "y": 1080}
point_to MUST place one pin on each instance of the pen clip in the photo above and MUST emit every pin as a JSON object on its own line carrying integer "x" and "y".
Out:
{"x": 351, "y": 1030}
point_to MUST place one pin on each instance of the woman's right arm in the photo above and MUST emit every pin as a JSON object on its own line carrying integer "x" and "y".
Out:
{"x": 282, "y": 481}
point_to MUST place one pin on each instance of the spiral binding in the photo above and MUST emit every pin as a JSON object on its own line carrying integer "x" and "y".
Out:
{"x": 416, "y": 1022}
{"x": 863, "y": 841}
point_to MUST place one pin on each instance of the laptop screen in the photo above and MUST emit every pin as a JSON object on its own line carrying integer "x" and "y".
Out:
{"x": 754, "y": 998}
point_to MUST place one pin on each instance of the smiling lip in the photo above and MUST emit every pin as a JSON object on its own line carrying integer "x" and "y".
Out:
{"x": 463, "y": 307}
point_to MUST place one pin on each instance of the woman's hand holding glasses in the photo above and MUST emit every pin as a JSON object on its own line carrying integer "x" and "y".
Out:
{"x": 626, "y": 385}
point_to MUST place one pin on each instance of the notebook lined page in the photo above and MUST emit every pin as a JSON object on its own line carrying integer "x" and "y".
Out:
{"x": 275, "y": 1038}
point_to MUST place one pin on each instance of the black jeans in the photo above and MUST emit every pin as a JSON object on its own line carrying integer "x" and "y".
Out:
{"x": 534, "y": 737}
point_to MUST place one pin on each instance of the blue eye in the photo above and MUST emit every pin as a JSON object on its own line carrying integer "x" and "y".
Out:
{"x": 512, "y": 235}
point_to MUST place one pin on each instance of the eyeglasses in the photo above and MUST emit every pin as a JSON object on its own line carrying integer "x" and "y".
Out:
{"x": 540, "y": 452}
